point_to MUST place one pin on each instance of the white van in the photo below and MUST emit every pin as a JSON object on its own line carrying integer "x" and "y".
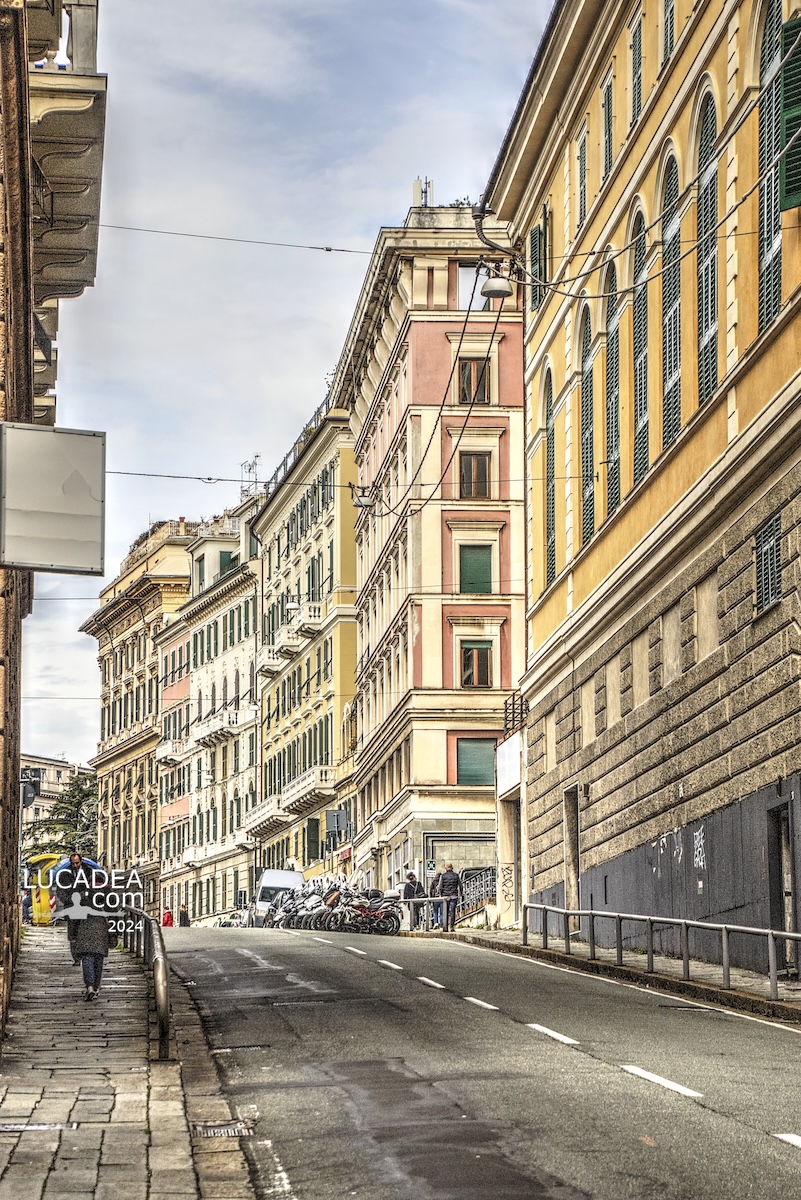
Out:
{"x": 271, "y": 884}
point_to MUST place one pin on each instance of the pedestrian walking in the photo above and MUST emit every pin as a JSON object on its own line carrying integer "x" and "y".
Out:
{"x": 27, "y": 907}
{"x": 70, "y": 879}
{"x": 450, "y": 888}
{"x": 414, "y": 890}
{"x": 166, "y": 920}
{"x": 183, "y": 917}
{"x": 436, "y": 907}
{"x": 92, "y": 941}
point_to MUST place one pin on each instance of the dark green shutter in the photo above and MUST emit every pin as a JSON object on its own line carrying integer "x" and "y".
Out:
{"x": 671, "y": 308}
{"x": 636, "y": 71}
{"x": 707, "y": 256}
{"x": 587, "y": 436}
{"x": 790, "y": 166}
{"x": 768, "y": 563}
{"x": 582, "y": 179}
{"x": 313, "y": 848}
{"x": 475, "y": 569}
{"x": 475, "y": 762}
{"x": 536, "y": 240}
{"x": 550, "y": 485}
{"x": 669, "y": 30}
{"x": 612, "y": 394}
{"x": 770, "y": 217}
{"x": 640, "y": 353}
{"x": 607, "y": 107}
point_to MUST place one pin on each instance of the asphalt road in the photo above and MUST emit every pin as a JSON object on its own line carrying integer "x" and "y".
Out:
{"x": 422, "y": 1069}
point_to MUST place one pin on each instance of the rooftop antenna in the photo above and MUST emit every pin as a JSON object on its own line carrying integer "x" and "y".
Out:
{"x": 422, "y": 193}
{"x": 249, "y": 477}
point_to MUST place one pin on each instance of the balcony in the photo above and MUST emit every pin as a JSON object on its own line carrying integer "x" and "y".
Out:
{"x": 269, "y": 661}
{"x": 308, "y": 619}
{"x": 171, "y": 751}
{"x": 264, "y": 819}
{"x": 288, "y": 641}
{"x": 216, "y": 727}
{"x": 311, "y": 788}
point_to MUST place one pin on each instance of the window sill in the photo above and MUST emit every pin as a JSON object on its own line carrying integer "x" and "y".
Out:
{"x": 762, "y": 612}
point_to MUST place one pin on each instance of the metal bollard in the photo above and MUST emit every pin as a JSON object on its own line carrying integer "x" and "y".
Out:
{"x": 592, "y": 935}
{"x": 619, "y": 939}
{"x": 685, "y": 950}
{"x": 545, "y": 929}
{"x": 525, "y": 924}
{"x": 774, "y": 982}
{"x": 566, "y": 921}
{"x": 649, "y": 946}
{"x": 724, "y": 953}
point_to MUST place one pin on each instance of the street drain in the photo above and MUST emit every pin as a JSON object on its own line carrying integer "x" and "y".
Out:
{"x": 225, "y": 1129}
{"x": 5, "y": 1128}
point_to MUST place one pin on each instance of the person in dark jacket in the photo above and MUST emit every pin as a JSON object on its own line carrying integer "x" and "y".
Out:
{"x": 450, "y": 888}
{"x": 414, "y": 890}
{"x": 91, "y": 942}
{"x": 183, "y": 917}
{"x": 70, "y": 878}
{"x": 436, "y": 907}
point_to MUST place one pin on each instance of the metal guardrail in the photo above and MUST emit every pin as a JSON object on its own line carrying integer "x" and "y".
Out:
{"x": 144, "y": 939}
{"x": 567, "y": 914}
{"x": 429, "y": 901}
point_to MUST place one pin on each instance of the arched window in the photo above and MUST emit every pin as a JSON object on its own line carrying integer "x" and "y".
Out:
{"x": 550, "y": 485}
{"x": 640, "y": 343}
{"x": 770, "y": 218}
{"x": 671, "y": 307}
{"x": 707, "y": 255}
{"x": 612, "y": 394}
{"x": 587, "y": 432}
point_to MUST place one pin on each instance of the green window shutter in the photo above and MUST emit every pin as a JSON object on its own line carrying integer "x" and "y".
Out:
{"x": 768, "y": 563}
{"x": 640, "y": 353}
{"x": 475, "y": 569}
{"x": 475, "y": 762}
{"x": 636, "y": 71}
{"x": 550, "y": 485}
{"x": 607, "y": 107}
{"x": 790, "y": 166}
{"x": 612, "y": 394}
{"x": 536, "y": 240}
{"x": 582, "y": 180}
{"x": 671, "y": 308}
{"x": 669, "y": 29}
{"x": 707, "y": 256}
{"x": 770, "y": 217}
{"x": 587, "y": 436}
{"x": 313, "y": 838}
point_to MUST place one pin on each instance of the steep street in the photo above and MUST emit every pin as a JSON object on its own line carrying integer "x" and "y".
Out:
{"x": 429, "y": 1069}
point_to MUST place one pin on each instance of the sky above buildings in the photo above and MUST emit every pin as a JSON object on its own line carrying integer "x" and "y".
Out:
{"x": 301, "y": 121}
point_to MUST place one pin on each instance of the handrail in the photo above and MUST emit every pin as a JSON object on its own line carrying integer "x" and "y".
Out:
{"x": 145, "y": 940}
{"x": 650, "y": 922}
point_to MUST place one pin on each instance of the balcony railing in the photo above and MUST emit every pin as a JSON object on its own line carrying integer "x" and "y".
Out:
{"x": 172, "y": 750}
{"x": 216, "y": 727}
{"x": 307, "y": 619}
{"x": 287, "y": 641}
{"x": 313, "y": 786}
{"x": 515, "y": 711}
{"x": 42, "y": 193}
{"x": 269, "y": 661}
{"x": 264, "y": 818}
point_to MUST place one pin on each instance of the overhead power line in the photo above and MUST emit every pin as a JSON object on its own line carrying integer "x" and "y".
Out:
{"x": 218, "y": 237}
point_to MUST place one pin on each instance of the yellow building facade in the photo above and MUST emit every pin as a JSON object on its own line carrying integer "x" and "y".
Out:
{"x": 640, "y": 176}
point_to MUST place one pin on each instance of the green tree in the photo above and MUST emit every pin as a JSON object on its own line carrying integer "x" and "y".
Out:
{"x": 71, "y": 823}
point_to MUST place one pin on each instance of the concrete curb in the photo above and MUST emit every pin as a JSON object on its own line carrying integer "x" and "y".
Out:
{"x": 740, "y": 1001}
{"x": 223, "y": 1172}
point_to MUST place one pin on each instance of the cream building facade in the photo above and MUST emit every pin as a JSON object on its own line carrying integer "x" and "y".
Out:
{"x": 307, "y": 652}
{"x": 641, "y": 173}
{"x": 430, "y": 374}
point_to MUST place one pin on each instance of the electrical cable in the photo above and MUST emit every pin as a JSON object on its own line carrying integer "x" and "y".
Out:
{"x": 215, "y": 237}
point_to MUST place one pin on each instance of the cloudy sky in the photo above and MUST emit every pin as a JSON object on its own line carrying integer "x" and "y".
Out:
{"x": 299, "y": 121}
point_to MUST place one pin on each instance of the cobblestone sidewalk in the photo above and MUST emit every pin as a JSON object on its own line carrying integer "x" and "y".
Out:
{"x": 84, "y": 1113}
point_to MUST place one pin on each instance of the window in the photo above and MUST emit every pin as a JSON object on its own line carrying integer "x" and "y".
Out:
{"x": 636, "y": 70}
{"x": 612, "y": 394}
{"x": 671, "y": 308}
{"x": 607, "y": 107}
{"x": 587, "y": 434}
{"x": 473, "y": 381}
{"x": 537, "y": 269}
{"x": 582, "y": 179}
{"x": 640, "y": 353}
{"x": 475, "y": 761}
{"x": 476, "y": 664}
{"x": 550, "y": 485}
{"x": 474, "y": 472}
{"x": 201, "y": 572}
{"x": 668, "y": 29}
{"x": 707, "y": 255}
{"x": 768, "y": 563}
{"x": 770, "y": 222}
{"x": 790, "y": 165}
{"x": 475, "y": 569}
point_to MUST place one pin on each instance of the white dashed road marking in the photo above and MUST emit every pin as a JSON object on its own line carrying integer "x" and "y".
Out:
{"x": 430, "y": 982}
{"x": 328, "y": 940}
{"x": 551, "y": 1033}
{"x": 353, "y": 950}
{"x": 386, "y": 963}
{"x": 792, "y": 1138}
{"x": 481, "y": 1003}
{"x": 665, "y": 1083}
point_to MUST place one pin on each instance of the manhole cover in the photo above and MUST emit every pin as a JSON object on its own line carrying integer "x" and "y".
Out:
{"x": 224, "y": 1129}
{"x": 6, "y": 1128}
